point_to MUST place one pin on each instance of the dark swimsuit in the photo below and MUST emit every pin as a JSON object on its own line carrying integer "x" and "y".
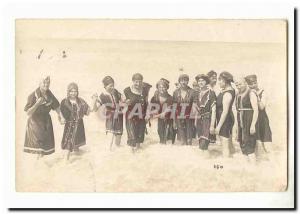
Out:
{"x": 226, "y": 129}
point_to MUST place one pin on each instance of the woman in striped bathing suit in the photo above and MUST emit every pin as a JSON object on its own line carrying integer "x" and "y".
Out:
{"x": 205, "y": 106}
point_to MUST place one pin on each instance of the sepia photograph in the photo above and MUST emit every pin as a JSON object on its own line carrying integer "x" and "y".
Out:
{"x": 151, "y": 105}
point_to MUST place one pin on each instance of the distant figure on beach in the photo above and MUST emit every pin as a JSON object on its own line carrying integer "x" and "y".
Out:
{"x": 40, "y": 54}
{"x": 39, "y": 137}
{"x": 64, "y": 54}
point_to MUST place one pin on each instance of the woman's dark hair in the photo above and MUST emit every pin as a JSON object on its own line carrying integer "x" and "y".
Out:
{"x": 227, "y": 77}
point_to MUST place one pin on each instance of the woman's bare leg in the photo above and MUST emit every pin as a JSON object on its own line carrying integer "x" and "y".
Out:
{"x": 203, "y": 145}
{"x": 231, "y": 147}
{"x": 132, "y": 149}
{"x": 262, "y": 149}
{"x": 225, "y": 146}
{"x": 259, "y": 151}
{"x": 118, "y": 139}
{"x": 40, "y": 156}
{"x": 169, "y": 142}
{"x": 218, "y": 140}
{"x": 67, "y": 155}
{"x": 267, "y": 148}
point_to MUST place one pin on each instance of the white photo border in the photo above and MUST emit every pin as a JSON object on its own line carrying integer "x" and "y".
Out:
{"x": 213, "y": 9}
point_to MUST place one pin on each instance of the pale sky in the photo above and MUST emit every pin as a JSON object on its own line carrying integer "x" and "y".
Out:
{"x": 258, "y": 31}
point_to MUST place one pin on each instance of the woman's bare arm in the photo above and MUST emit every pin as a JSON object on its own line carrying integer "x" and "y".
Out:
{"x": 89, "y": 110}
{"x": 213, "y": 117}
{"x": 262, "y": 103}
{"x": 60, "y": 116}
{"x": 94, "y": 104}
{"x": 253, "y": 100}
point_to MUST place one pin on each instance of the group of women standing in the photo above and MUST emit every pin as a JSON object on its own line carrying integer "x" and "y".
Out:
{"x": 202, "y": 112}
{"x": 39, "y": 138}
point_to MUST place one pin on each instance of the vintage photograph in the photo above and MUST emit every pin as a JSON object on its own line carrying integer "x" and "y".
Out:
{"x": 151, "y": 105}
